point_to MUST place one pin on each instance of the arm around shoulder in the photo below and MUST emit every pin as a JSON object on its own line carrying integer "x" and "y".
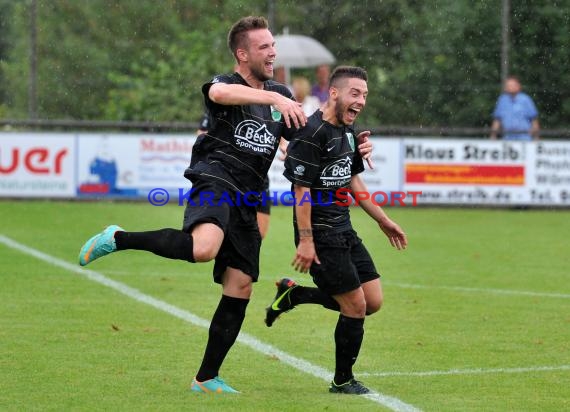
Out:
{"x": 238, "y": 94}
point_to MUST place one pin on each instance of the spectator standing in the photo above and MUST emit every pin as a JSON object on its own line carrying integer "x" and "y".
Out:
{"x": 515, "y": 116}
{"x": 302, "y": 93}
{"x": 321, "y": 88}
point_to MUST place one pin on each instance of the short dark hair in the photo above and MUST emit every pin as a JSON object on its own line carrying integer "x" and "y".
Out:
{"x": 237, "y": 36}
{"x": 347, "y": 72}
{"x": 513, "y": 77}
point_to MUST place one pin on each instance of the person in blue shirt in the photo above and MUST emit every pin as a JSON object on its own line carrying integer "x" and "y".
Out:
{"x": 515, "y": 116}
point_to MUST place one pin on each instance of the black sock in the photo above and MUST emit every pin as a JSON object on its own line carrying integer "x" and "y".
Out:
{"x": 224, "y": 330}
{"x": 304, "y": 294}
{"x": 168, "y": 243}
{"x": 348, "y": 337}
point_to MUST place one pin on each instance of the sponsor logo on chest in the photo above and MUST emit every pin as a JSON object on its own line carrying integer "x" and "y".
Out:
{"x": 254, "y": 136}
{"x": 337, "y": 173}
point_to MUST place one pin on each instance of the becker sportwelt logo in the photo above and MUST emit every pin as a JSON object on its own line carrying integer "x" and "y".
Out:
{"x": 254, "y": 136}
{"x": 337, "y": 173}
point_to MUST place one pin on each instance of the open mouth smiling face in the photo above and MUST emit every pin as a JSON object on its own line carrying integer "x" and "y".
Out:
{"x": 352, "y": 99}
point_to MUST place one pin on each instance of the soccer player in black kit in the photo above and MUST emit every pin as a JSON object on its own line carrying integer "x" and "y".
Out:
{"x": 249, "y": 113}
{"x": 321, "y": 161}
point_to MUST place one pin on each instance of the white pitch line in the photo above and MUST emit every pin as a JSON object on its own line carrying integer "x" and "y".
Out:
{"x": 302, "y": 365}
{"x": 478, "y": 371}
{"x": 482, "y": 290}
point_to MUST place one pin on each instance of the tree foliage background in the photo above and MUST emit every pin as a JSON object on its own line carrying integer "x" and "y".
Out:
{"x": 433, "y": 63}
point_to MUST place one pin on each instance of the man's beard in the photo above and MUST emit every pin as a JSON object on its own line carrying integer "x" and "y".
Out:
{"x": 260, "y": 74}
{"x": 339, "y": 111}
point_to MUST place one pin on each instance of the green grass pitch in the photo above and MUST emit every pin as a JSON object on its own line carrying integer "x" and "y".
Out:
{"x": 476, "y": 317}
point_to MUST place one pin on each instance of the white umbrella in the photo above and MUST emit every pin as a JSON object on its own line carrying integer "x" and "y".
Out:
{"x": 296, "y": 50}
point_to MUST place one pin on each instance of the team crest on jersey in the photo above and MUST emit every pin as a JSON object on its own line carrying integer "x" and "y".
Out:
{"x": 350, "y": 138}
{"x": 254, "y": 137}
{"x": 337, "y": 174}
{"x": 275, "y": 114}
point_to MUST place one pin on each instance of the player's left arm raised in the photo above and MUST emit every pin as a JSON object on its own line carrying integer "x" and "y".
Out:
{"x": 391, "y": 229}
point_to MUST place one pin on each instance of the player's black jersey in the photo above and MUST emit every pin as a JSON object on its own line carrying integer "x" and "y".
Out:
{"x": 324, "y": 157}
{"x": 241, "y": 141}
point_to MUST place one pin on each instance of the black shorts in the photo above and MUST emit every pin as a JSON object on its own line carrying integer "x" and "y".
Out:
{"x": 345, "y": 262}
{"x": 211, "y": 203}
{"x": 264, "y": 205}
